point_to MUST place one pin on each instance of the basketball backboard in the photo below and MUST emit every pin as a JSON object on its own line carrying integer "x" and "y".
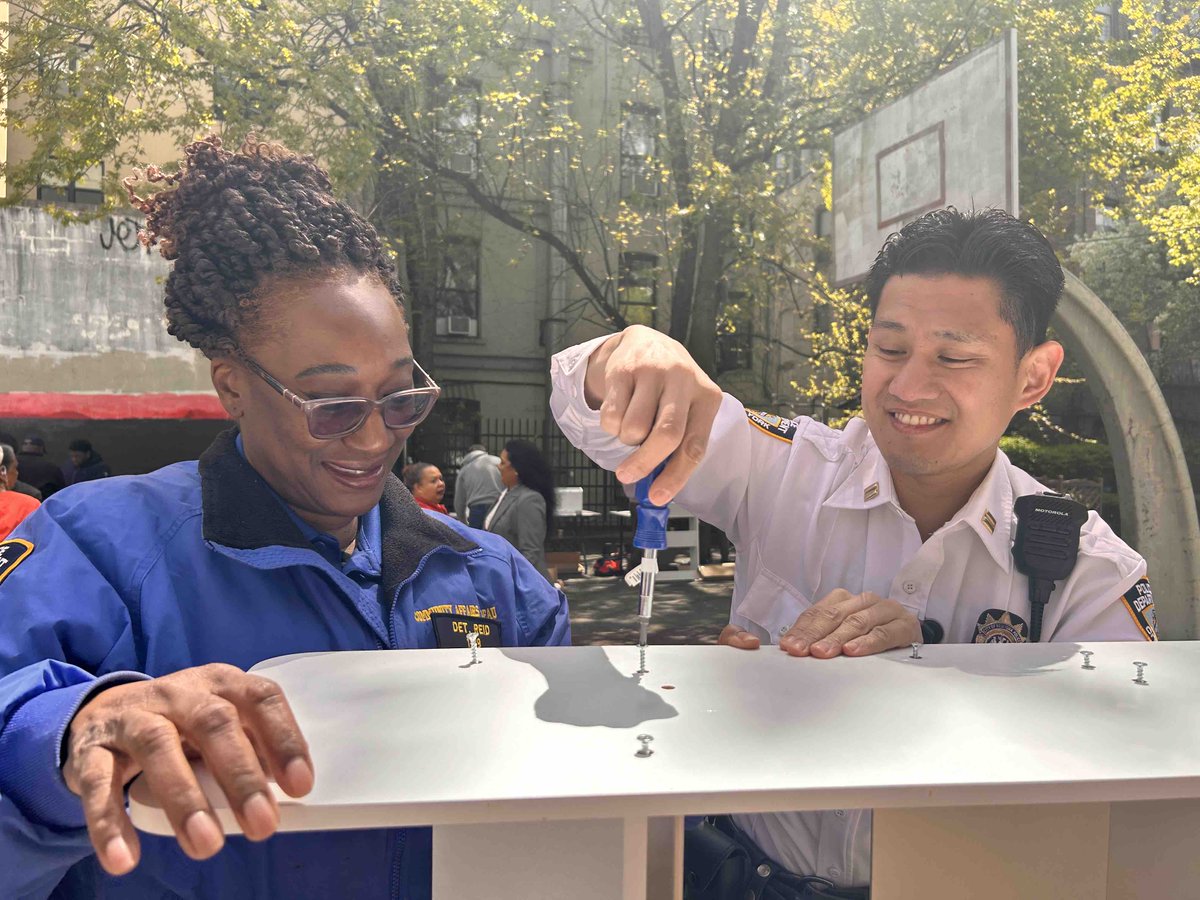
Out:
{"x": 951, "y": 142}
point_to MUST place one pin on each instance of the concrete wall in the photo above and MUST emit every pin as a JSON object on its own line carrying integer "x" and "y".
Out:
{"x": 81, "y": 310}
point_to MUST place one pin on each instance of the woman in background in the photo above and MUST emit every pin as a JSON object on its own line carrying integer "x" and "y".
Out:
{"x": 425, "y": 482}
{"x": 14, "y": 505}
{"x": 525, "y": 509}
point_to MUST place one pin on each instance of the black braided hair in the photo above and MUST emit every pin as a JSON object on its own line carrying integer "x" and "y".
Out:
{"x": 236, "y": 222}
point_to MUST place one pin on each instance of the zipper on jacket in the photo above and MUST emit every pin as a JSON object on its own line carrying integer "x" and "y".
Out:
{"x": 395, "y": 598}
{"x": 399, "y": 842}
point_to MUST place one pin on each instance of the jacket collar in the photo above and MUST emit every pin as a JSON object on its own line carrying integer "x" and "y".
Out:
{"x": 241, "y": 511}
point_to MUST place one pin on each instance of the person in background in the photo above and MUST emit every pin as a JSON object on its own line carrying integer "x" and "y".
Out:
{"x": 14, "y": 505}
{"x": 39, "y": 471}
{"x": 477, "y": 486}
{"x": 525, "y": 508}
{"x": 12, "y": 463}
{"x": 425, "y": 482}
{"x": 88, "y": 464}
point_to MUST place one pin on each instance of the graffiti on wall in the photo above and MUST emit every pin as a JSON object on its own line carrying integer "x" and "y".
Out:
{"x": 122, "y": 233}
{"x": 79, "y": 288}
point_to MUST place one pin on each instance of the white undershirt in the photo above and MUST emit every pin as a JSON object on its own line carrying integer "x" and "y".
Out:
{"x": 487, "y": 522}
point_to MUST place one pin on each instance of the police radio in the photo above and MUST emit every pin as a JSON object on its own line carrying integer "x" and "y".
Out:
{"x": 1046, "y": 547}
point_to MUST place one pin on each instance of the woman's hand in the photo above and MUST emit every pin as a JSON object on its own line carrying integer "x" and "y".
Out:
{"x": 241, "y": 726}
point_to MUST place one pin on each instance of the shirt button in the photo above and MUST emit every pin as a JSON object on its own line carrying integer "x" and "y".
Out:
{"x": 910, "y": 587}
{"x": 834, "y": 871}
{"x": 783, "y": 629}
{"x": 840, "y": 813}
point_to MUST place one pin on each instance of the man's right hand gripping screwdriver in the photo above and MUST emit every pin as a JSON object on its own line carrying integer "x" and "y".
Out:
{"x": 650, "y": 536}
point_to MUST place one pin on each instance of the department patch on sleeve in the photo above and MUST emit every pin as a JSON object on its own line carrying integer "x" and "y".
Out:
{"x": 1139, "y": 602}
{"x": 12, "y": 554}
{"x": 776, "y": 426}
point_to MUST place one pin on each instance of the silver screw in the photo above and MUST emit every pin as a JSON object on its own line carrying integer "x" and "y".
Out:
{"x": 473, "y": 643}
{"x": 642, "y": 670}
{"x": 1140, "y": 679}
{"x": 916, "y": 654}
{"x": 1087, "y": 659}
{"x": 645, "y": 749}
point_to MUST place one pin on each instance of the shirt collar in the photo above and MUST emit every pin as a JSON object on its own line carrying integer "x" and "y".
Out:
{"x": 988, "y": 512}
{"x": 323, "y": 542}
{"x": 868, "y": 485}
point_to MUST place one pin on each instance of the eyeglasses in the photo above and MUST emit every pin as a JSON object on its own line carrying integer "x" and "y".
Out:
{"x": 334, "y": 417}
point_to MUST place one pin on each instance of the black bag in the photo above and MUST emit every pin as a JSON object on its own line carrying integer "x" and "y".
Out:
{"x": 721, "y": 862}
{"x": 715, "y": 865}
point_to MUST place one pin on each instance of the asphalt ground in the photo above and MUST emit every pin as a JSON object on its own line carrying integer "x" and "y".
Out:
{"x": 604, "y": 611}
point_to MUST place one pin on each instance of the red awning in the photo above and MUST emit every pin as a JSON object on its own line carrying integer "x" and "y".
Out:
{"x": 30, "y": 405}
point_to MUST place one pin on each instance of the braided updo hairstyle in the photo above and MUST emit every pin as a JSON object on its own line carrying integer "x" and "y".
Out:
{"x": 235, "y": 222}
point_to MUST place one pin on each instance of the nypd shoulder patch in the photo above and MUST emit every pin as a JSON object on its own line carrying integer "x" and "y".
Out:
{"x": 1139, "y": 602}
{"x": 776, "y": 426}
{"x": 12, "y": 554}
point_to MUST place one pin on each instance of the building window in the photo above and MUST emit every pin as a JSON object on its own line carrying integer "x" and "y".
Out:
{"x": 457, "y": 313}
{"x": 1112, "y": 23}
{"x": 639, "y": 147}
{"x": 61, "y": 67}
{"x": 88, "y": 189}
{"x": 734, "y": 332}
{"x": 637, "y": 288}
{"x": 458, "y": 127}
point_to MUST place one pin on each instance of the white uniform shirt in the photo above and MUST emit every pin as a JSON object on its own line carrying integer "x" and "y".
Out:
{"x": 812, "y": 509}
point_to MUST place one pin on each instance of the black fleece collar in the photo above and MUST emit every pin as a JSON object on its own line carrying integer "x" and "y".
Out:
{"x": 241, "y": 511}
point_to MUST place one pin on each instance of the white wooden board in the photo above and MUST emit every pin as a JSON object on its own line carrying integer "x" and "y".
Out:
{"x": 422, "y": 738}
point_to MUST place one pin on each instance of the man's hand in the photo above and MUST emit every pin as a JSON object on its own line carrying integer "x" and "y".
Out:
{"x": 840, "y": 623}
{"x": 239, "y": 724}
{"x": 734, "y": 636}
{"x": 651, "y": 393}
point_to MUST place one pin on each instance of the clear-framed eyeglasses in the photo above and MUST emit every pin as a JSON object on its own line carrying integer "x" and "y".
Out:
{"x": 330, "y": 418}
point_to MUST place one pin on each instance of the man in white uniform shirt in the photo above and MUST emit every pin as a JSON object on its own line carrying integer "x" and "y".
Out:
{"x": 848, "y": 539}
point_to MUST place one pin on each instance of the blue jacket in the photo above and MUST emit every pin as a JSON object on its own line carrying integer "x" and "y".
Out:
{"x": 131, "y": 577}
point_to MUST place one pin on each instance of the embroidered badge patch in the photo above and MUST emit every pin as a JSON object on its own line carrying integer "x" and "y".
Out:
{"x": 12, "y": 554}
{"x": 451, "y": 630}
{"x": 996, "y": 626}
{"x": 1140, "y": 603}
{"x": 776, "y": 426}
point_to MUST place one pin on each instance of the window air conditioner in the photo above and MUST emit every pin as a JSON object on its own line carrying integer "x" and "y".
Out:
{"x": 464, "y": 326}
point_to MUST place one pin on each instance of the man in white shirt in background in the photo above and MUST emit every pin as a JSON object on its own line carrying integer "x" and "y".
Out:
{"x": 848, "y": 539}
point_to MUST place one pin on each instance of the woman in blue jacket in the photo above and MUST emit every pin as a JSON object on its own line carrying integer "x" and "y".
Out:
{"x": 130, "y": 608}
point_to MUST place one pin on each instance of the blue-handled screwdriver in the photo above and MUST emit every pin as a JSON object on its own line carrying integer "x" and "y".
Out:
{"x": 650, "y": 536}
